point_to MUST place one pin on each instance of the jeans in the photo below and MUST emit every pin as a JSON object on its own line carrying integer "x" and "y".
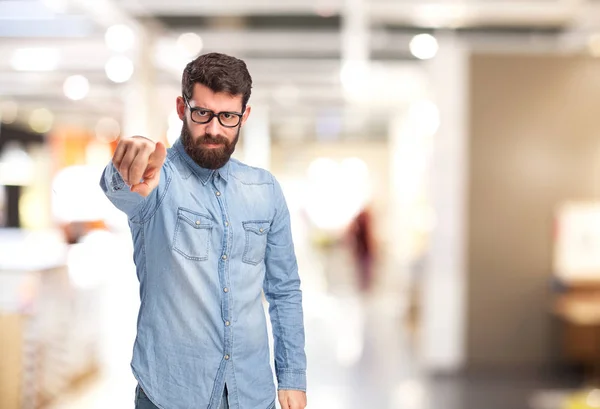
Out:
{"x": 142, "y": 401}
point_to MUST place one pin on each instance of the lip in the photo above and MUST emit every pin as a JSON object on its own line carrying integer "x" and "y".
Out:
{"x": 212, "y": 145}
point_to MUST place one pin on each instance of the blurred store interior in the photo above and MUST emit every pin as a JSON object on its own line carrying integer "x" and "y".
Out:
{"x": 461, "y": 138}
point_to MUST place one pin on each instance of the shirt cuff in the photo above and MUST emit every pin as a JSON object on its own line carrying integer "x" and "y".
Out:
{"x": 291, "y": 380}
{"x": 114, "y": 177}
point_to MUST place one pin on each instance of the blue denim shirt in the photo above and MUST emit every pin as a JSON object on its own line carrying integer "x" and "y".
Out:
{"x": 206, "y": 244}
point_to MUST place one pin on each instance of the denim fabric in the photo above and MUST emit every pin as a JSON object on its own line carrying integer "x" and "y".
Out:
{"x": 207, "y": 244}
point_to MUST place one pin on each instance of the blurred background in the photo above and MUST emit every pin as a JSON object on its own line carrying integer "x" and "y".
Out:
{"x": 441, "y": 162}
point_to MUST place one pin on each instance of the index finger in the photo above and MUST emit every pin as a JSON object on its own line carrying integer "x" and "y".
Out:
{"x": 119, "y": 154}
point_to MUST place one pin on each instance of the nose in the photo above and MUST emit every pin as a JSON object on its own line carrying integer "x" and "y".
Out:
{"x": 213, "y": 127}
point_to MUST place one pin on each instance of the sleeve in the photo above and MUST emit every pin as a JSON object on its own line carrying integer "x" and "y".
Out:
{"x": 135, "y": 206}
{"x": 282, "y": 291}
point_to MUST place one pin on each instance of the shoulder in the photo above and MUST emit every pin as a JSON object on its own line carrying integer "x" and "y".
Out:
{"x": 176, "y": 163}
{"x": 250, "y": 175}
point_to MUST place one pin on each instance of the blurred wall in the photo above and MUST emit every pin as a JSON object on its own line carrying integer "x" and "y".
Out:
{"x": 534, "y": 142}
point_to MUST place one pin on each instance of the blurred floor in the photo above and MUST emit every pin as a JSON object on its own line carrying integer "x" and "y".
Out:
{"x": 360, "y": 352}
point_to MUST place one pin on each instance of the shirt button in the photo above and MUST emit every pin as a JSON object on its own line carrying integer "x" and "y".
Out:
{"x": 226, "y": 224}
{"x": 226, "y": 357}
{"x": 218, "y": 193}
{"x": 224, "y": 256}
{"x": 261, "y": 230}
{"x": 225, "y": 290}
{"x": 227, "y": 323}
{"x": 197, "y": 222}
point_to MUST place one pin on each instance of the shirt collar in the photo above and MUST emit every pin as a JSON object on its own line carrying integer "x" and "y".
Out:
{"x": 203, "y": 173}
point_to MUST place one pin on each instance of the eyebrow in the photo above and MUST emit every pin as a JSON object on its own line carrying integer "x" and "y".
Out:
{"x": 214, "y": 112}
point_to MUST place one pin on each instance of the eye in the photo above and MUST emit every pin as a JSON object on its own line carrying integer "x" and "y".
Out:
{"x": 203, "y": 112}
{"x": 227, "y": 115}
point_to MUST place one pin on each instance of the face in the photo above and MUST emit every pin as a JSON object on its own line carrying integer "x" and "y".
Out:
{"x": 210, "y": 145}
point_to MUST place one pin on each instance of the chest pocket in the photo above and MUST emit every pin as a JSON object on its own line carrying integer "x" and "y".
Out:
{"x": 256, "y": 241}
{"x": 192, "y": 234}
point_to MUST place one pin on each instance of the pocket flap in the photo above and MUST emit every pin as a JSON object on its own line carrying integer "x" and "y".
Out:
{"x": 258, "y": 227}
{"x": 195, "y": 219}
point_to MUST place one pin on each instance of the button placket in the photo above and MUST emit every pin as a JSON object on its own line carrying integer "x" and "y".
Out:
{"x": 224, "y": 255}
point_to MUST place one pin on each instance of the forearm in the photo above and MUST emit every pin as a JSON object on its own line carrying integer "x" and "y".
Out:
{"x": 118, "y": 192}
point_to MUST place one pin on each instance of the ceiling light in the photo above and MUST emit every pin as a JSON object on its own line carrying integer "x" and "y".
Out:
{"x": 424, "y": 46}
{"x": 119, "y": 69}
{"x": 76, "y": 87}
{"x": 41, "y": 120}
{"x": 190, "y": 44}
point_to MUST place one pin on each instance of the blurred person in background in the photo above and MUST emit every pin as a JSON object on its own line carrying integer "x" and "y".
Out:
{"x": 210, "y": 233}
{"x": 362, "y": 244}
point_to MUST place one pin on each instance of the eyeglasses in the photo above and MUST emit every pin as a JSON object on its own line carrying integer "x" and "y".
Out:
{"x": 204, "y": 116}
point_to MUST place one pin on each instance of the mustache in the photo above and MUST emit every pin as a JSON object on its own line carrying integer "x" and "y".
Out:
{"x": 212, "y": 139}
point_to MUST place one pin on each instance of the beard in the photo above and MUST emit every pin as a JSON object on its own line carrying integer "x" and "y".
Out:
{"x": 208, "y": 158}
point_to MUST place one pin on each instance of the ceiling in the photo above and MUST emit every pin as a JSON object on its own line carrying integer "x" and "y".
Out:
{"x": 295, "y": 50}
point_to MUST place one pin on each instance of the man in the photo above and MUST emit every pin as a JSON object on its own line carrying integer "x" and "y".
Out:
{"x": 209, "y": 234}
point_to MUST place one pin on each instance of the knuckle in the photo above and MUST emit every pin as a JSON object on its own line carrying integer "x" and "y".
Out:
{"x": 140, "y": 140}
{"x": 135, "y": 169}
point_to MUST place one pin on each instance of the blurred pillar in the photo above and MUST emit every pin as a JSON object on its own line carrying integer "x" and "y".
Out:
{"x": 355, "y": 32}
{"x": 256, "y": 140}
{"x": 141, "y": 114}
{"x": 355, "y": 49}
{"x": 444, "y": 283}
{"x": 407, "y": 164}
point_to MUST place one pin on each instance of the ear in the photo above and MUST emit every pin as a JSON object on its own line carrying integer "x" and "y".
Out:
{"x": 246, "y": 114}
{"x": 181, "y": 108}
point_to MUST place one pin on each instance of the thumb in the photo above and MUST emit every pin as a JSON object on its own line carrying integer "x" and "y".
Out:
{"x": 145, "y": 187}
{"x": 157, "y": 158}
{"x": 150, "y": 181}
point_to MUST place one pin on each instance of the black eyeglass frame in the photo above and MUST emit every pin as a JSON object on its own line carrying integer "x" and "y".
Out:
{"x": 212, "y": 115}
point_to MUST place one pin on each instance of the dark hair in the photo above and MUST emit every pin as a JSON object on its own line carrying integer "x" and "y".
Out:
{"x": 220, "y": 73}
